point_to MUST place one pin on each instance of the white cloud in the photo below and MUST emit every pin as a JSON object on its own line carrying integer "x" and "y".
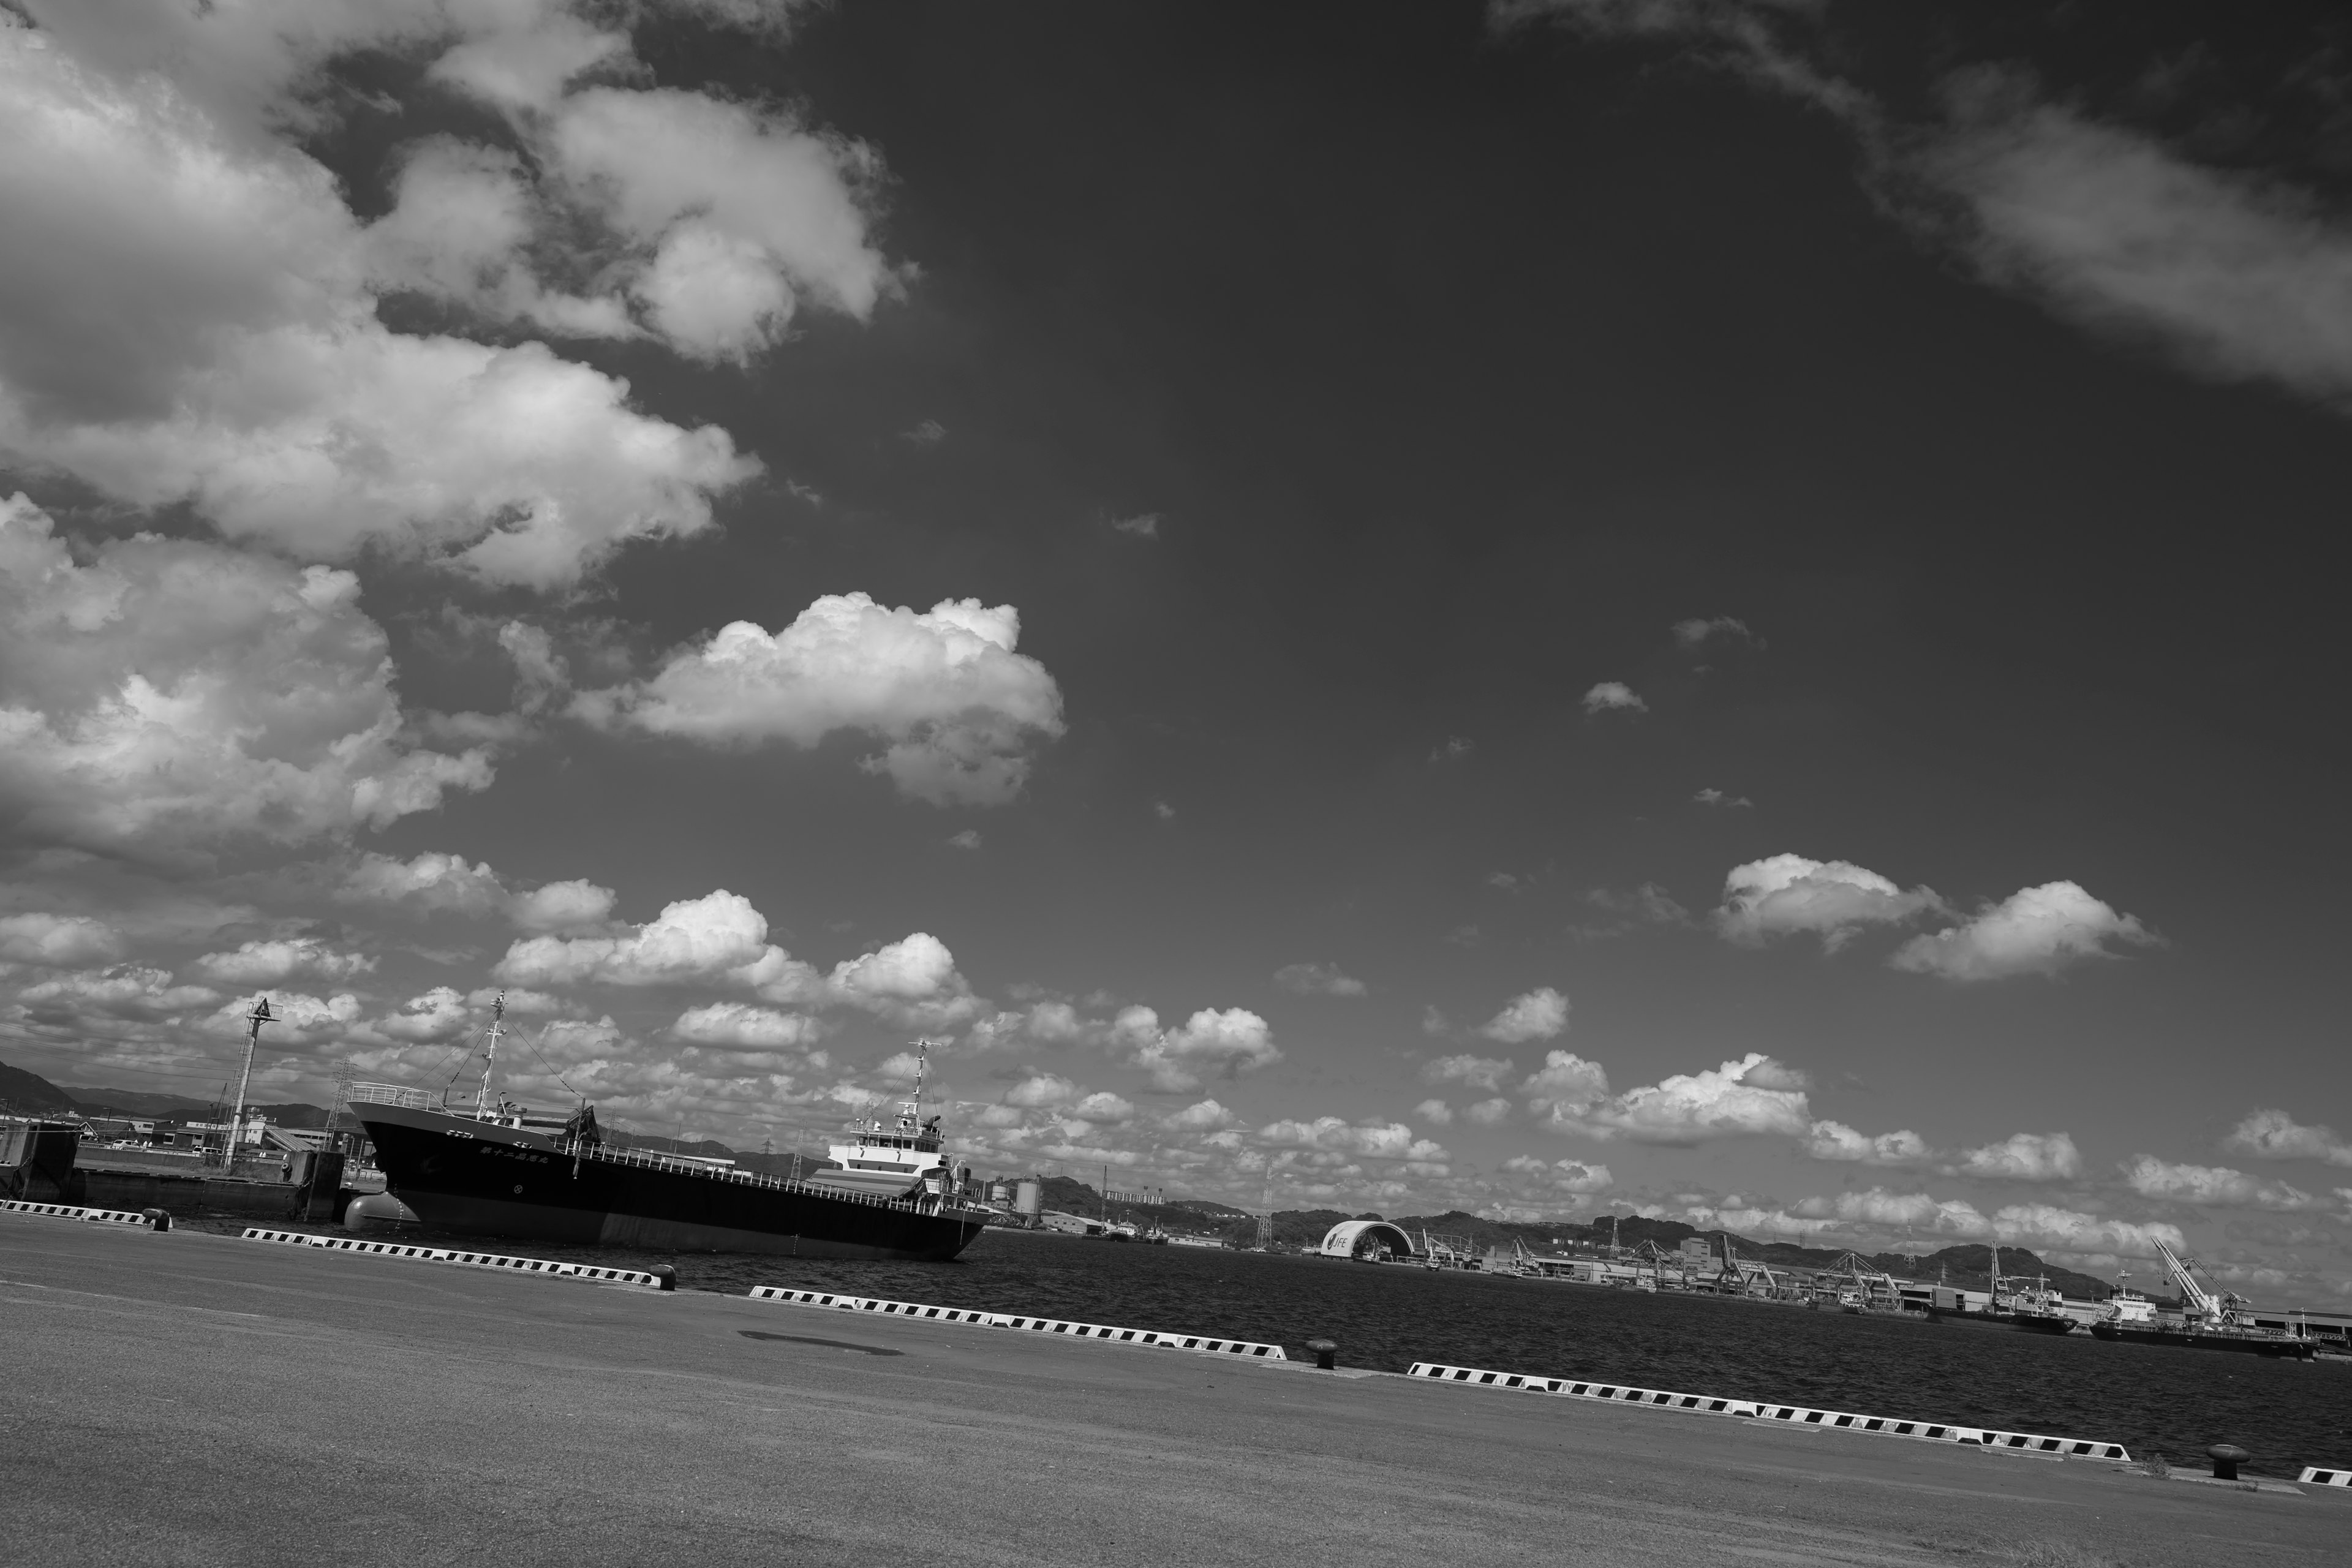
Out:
{"x": 1573, "y": 1178}
{"x": 296, "y": 1019}
{"x": 1375, "y": 1140}
{"x": 1478, "y": 1072}
{"x": 2275, "y": 1135}
{"x": 432, "y": 882}
{"x": 1837, "y": 1141}
{"x": 1435, "y": 1110}
{"x": 968, "y": 839}
{"x": 1784, "y": 894}
{"x": 1698, "y": 633}
{"x": 1142, "y": 525}
{"x": 2217, "y": 1185}
{"x": 741, "y": 1024}
{"x": 957, "y": 705}
{"x": 126, "y": 990}
{"x": 1538, "y": 1015}
{"x": 1753, "y": 1095}
{"x": 2035, "y": 931}
{"x": 168, "y": 694}
{"x": 1611, "y": 694}
{"x": 1204, "y": 1116}
{"x": 2242, "y": 278}
{"x": 197, "y": 304}
{"x": 273, "y": 961}
{"x": 1231, "y": 1042}
{"x": 438, "y": 1018}
{"x": 1877, "y": 1208}
{"x": 1621, "y": 913}
{"x": 692, "y": 939}
{"x": 563, "y": 905}
{"x": 1716, "y": 797}
{"x": 2048, "y": 1226}
{"x": 1489, "y": 1112}
{"x": 2025, "y": 1157}
{"x": 62, "y": 941}
{"x": 1318, "y": 980}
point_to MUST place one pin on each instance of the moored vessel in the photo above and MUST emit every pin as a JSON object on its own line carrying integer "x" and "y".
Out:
{"x": 501, "y": 1171}
{"x": 2208, "y": 1320}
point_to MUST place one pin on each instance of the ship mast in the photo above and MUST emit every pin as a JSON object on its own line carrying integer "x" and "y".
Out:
{"x": 253, "y": 1022}
{"x": 495, "y": 1032}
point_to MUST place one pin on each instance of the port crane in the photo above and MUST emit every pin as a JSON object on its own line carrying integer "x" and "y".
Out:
{"x": 2197, "y": 1302}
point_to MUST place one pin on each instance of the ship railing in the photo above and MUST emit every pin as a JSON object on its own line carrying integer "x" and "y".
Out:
{"x": 657, "y": 1160}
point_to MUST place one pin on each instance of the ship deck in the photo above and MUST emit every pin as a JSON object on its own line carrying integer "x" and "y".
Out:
{"x": 196, "y": 1399}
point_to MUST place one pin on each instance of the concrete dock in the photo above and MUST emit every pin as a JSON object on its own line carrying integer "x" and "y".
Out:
{"x": 186, "y": 1398}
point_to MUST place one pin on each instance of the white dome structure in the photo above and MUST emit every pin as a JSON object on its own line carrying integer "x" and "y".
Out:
{"x": 1355, "y": 1238}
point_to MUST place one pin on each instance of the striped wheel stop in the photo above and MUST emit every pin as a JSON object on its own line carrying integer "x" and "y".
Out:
{"x": 68, "y": 1211}
{"x": 1205, "y": 1343}
{"x": 542, "y": 1265}
{"x": 2319, "y": 1477}
{"x": 1790, "y": 1414}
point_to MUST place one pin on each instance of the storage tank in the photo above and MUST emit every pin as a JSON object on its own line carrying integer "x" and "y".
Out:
{"x": 1028, "y": 1197}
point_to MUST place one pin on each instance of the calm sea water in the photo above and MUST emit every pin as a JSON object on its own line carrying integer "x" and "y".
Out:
{"x": 2153, "y": 1400}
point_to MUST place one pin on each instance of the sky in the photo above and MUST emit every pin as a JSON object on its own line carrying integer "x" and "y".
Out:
{"x": 1717, "y": 610}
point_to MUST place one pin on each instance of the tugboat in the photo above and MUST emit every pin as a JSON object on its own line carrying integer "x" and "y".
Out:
{"x": 499, "y": 1171}
{"x": 2209, "y": 1319}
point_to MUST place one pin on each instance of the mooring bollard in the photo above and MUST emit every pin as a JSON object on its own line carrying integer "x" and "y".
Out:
{"x": 664, "y": 1276}
{"x": 2227, "y": 1457}
{"x": 157, "y": 1219}
{"x": 1327, "y": 1354}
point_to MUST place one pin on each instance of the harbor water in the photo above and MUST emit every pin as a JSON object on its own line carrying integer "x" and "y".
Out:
{"x": 2154, "y": 1400}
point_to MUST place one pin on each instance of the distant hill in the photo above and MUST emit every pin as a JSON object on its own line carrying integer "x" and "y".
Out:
{"x": 26, "y": 1091}
{"x": 137, "y": 1102}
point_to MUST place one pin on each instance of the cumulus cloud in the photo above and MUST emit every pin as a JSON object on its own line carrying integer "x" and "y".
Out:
{"x": 1716, "y": 797}
{"x": 164, "y": 694}
{"x": 1613, "y": 694}
{"x": 1837, "y": 1141}
{"x": 1477, "y": 1072}
{"x": 2035, "y": 931}
{"x": 2275, "y": 1135}
{"x": 563, "y": 905}
{"x": 1755, "y": 1094}
{"x": 1538, "y": 1015}
{"x": 1573, "y": 1178}
{"x": 1376, "y": 1140}
{"x": 692, "y": 939}
{"x": 2216, "y": 1185}
{"x": 958, "y": 706}
{"x": 438, "y": 1018}
{"x": 1833, "y": 900}
{"x": 1142, "y": 525}
{"x": 128, "y": 991}
{"x": 61, "y": 940}
{"x": 2025, "y": 1157}
{"x": 1489, "y": 1112}
{"x": 1435, "y": 1110}
{"x": 1318, "y": 980}
{"x": 1229, "y": 1042}
{"x": 197, "y": 304}
{"x": 273, "y": 961}
{"x": 738, "y": 1024}
{"x": 430, "y": 883}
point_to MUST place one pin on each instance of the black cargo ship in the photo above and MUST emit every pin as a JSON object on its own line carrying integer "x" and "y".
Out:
{"x": 487, "y": 1177}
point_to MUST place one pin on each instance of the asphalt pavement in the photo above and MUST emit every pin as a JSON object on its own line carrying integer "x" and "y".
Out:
{"x": 193, "y": 1399}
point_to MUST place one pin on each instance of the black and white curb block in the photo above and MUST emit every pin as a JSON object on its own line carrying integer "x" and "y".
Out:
{"x": 67, "y": 1211}
{"x": 1789, "y": 1414}
{"x": 445, "y": 1254}
{"x": 2324, "y": 1478}
{"x": 1200, "y": 1343}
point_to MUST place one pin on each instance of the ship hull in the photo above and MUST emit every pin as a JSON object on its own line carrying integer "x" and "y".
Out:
{"x": 2249, "y": 1344}
{"x": 463, "y": 1175}
{"x": 2043, "y": 1323}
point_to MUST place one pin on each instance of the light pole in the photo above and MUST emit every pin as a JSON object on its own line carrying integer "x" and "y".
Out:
{"x": 253, "y": 1022}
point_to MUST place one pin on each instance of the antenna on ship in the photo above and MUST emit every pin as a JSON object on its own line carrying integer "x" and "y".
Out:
{"x": 495, "y": 1032}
